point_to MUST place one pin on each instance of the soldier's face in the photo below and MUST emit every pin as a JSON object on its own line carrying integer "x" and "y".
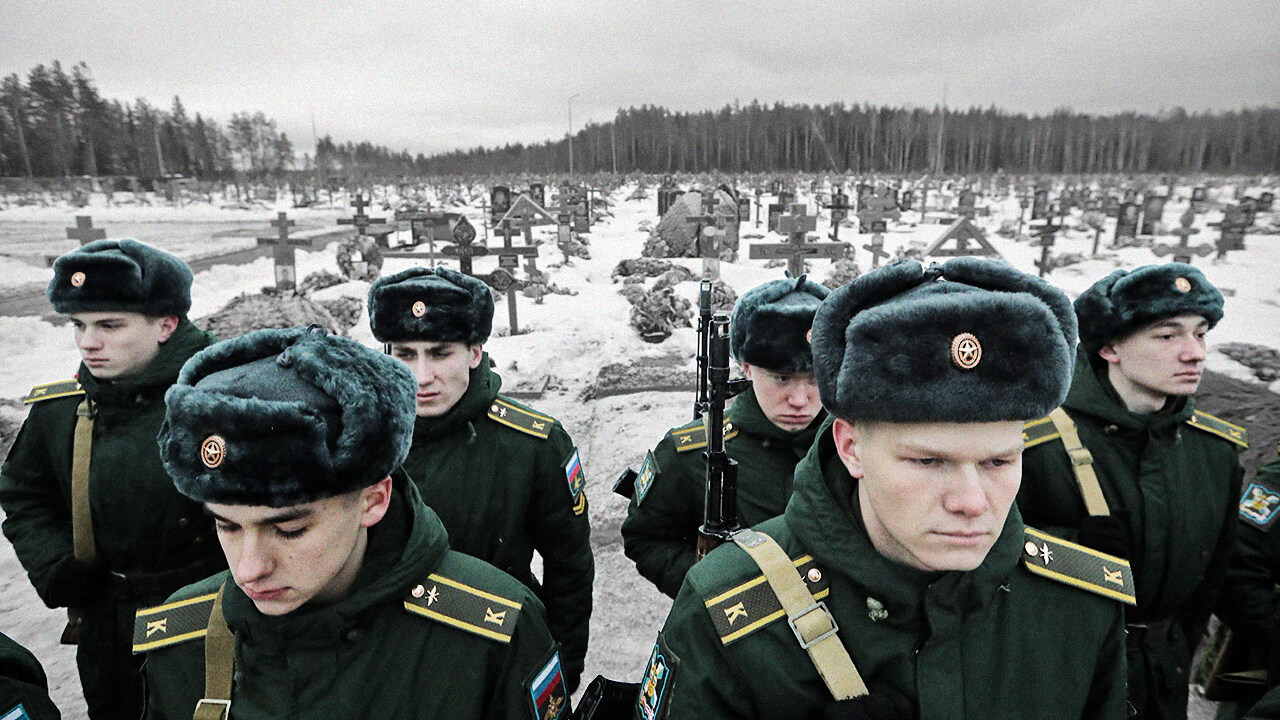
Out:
{"x": 118, "y": 345}
{"x": 1162, "y": 359}
{"x": 933, "y": 496}
{"x": 284, "y": 558}
{"x": 443, "y": 371}
{"x": 789, "y": 400}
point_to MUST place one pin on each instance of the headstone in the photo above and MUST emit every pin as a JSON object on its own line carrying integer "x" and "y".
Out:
{"x": 796, "y": 225}
{"x": 84, "y": 231}
{"x": 1182, "y": 252}
{"x": 1152, "y": 213}
{"x": 538, "y": 193}
{"x": 499, "y": 202}
{"x": 1126, "y": 224}
{"x": 1266, "y": 201}
{"x": 282, "y": 246}
{"x": 1040, "y": 204}
{"x": 1199, "y": 195}
{"x": 1233, "y": 227}
{"x": 905, "y": 200}
{"x": 875, "y": 213}
{"x": 667, "y": 194}
{"x": 967, "y": 204}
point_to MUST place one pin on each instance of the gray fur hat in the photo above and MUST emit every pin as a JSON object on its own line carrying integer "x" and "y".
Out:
{"x": 770, "y": 324}
{"x": 120, "y": 276}
{"x": 434, "y": 304}
{"x": 285, "y": 417}
{"x": 1122, "y": 302}
{"x": 971, "y": 340}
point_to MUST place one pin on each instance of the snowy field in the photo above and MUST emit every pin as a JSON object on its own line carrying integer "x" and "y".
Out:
{"x": 564, "y": 342}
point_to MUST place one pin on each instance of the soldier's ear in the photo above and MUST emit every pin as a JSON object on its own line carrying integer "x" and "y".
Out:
{"x": 849, "y": 439}
{"x": 477, "y": 351}
{"x": 374, "y": 501}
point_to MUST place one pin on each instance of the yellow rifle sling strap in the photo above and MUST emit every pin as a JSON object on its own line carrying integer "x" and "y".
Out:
{"x": 81, "y": 520}
{"x": 219, "y": 667}
{"x": 809, "y": 619}
{"x": 1081, "y": 463}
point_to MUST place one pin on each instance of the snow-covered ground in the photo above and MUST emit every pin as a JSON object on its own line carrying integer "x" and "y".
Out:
{"x": 564, "y": 338}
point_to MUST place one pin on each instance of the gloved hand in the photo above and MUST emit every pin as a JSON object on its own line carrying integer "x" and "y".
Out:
{"x": 881, "y": 702}
{"x": 1107, "y": 533}
{"x": 72, "y": 583}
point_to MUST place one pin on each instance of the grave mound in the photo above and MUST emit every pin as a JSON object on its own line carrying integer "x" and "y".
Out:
{"x": 247, "y": 313}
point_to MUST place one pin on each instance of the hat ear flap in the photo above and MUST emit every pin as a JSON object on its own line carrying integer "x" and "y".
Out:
{"x": 1096, "y": 313}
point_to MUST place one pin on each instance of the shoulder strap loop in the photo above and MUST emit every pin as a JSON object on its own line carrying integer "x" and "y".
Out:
{"x": 1081, "y": 463}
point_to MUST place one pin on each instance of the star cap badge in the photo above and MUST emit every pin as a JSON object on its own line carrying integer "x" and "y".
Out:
{"x": 77, "y": 279}
{"x": 419, "y": 309}
{"x": 966, "y": 351}
{"x": 213, "y": 451}
{"x": 1182, "y": 285}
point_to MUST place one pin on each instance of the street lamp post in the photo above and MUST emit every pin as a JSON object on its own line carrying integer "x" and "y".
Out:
{"x": 571, "y": 97}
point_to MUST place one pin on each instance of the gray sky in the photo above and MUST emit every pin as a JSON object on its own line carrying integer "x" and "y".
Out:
{"x": 431, "y": 76}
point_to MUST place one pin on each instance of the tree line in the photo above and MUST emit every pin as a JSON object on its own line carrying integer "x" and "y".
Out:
{"x": 57, "y": 124}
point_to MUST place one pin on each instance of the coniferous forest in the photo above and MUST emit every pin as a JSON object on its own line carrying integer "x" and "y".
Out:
{"x": 55, "y": 123}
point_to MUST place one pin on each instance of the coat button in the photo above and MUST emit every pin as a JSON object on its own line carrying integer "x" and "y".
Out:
{"x": 183, "y": 522}
{"x": 352, "y": 635}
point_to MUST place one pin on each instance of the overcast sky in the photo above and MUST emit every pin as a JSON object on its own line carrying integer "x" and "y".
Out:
{"x": 431, "y": 76}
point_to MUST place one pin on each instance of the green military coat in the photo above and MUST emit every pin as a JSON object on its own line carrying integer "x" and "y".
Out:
{"x": 661, "y": 530}
{"x": 426, "y": 633}
{"x": 997, "y": 642}
{"x": 506, "y": 480}
{"x": 23, "y": 684}
{"x": 1176, "y": 475}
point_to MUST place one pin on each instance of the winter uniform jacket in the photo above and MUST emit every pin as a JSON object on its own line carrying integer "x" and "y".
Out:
{"x": 995, "y": 642}
{"x": 426, "y": 633}
{"x": 506, "y": 481}
{"x": 661, "y": 530}
{"x": 1176, "y": 480}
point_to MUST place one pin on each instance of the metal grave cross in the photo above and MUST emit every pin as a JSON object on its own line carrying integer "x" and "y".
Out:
{"x": 796, "y": 224}
{"x": 1182, "y": 252}
{"x": 876, "y": 248}
{"x": 84, "y": 231}
{"x": 282, "y": 251}
{"x": 839, "y": 207}
{"x": 503, "y": 278}
{"x": 360, "y": 220}
{"x": 1046, "y": 234}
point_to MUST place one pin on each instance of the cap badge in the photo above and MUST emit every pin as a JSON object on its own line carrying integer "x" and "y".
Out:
{"x": 966, "y": 351}
{"x": 419, "y": 309}
{"x": 77, "y": 279}
{"x": 213, "y": 451}
{"x": 1182, "y": 285}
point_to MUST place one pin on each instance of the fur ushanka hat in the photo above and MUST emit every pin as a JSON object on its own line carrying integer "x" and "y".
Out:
{"x": 433, "y": 304}
{"x": 285, "y": 417}
{"x": 120, "y": 276}
{"x": 770, "y": 324}
{"x": 971, "y": 340}
{"x": 1122, "y": 302}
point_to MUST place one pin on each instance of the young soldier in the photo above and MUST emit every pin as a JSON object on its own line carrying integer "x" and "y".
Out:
{"x": 343, "y": 599}
{"x": 766, "y": 430}
{"x": 504, "y": 479}
{"x": 90, "y": 511}
{"x": 900, "y": 560}
{"x": 1130, "y": 467}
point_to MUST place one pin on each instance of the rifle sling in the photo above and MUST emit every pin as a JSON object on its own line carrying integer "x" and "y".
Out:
{"x": 810, "y": 620}
{"x": 219, "y": 667}
{"x": 1081, "y": 463}
{"x": 81, "y": 520}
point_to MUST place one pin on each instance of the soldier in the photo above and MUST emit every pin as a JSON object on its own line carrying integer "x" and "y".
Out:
{"x": 505, "y": 480}
{"x": 1130, "y": 467}
{"x": 901, "y": 555}
{"x": 343, "y": 599}
{"x": 24, "y": 689}
{"x": 89, "y": 509}
{"x": 767, "y": 431}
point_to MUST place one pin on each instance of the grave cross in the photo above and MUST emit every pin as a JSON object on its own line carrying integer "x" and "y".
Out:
{"x": 360, "y": 220}
{"x": 84, "y": 231}
{"x": 708, "y": 229}
{"x": 503, "y": 278}
{"x": 282, "y": 251}
{"x": 1182, "y": 252}
{"x": 1046, "y": 233}
{"x": 876, "y": 248}
{"x": 1233, "y": 226}
{"x": 839, "y": 207}
{"x": 796, "y": 224}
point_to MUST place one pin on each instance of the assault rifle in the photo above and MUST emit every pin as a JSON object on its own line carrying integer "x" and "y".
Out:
{"x": 704, "y": 332}
{"x": 720, "y": 514}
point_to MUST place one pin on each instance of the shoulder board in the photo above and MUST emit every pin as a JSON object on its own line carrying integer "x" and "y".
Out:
{"x": 742, "y": 610}
{"x": 1216, "y": 426}
{"x": 1035, "y": 432}
{"x": 694, "y": 436}
{"x": 1077, "y": 565}
{"x": 508, "y": 413}
{"x": 1260, "y": 504}
{"x": 464, "y": 607}
{"x": 49, "y": 391}
{"x": 173, "y": 623}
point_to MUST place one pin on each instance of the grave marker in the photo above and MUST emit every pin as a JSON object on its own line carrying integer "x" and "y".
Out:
{"x": 1152, "y": 213}
{"x": 1266, "y": 201}
{"x": 1182, "y": 252}
{"x": 1040, "y": 204}
{"x": 84, "y": 231}
{"x": 1233, "y": 227}
{"x": 1126, "y": 224}
{"x": 796, "y": 224}
{"x": 499, "y": 202}
{"x": 709, "y": 228}
{"x": 839, "y": 207}
{"x": 667, "y": 194}
{"x": 282, "y": 247}
{"x": 1046, "y": 234}
{"x": 966, "y": 238}
{"x": 360, "y": 221}
{"x": 503, "y": 278}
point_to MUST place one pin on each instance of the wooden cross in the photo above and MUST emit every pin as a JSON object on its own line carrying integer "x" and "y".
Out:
{"x": 877, "y": 210}
{"x": 360, "y": 221}
{"x": 796, "y": 224}
{"x": 876, "y": 248}
{"x": 708, "y": 229}
{"x": 503, "y": 279}
{"x": 84, "y": 231}
{"x": 282, "y": 251}
{"x": 839, "y": 207}
{"x": 1046, "y": 233}
{"x": 1182, "y": 252}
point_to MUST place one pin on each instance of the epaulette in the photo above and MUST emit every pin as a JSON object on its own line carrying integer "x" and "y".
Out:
{"x": 742, "y": 610}
{"x": 1077, "y": 565}
{"x": 508, "y": 413}
{"x": 1035, "y": 432}
{"x": 462, "y": 606}
{"x": 1217, "y": 426}
{"x": 172, "y": 623}
{"x": 49, "y": 391}
{"x": 694, "y": 435}
{"x": 1260, "y": 504}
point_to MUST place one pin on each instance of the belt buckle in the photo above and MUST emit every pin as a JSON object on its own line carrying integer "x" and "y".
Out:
{"x": 211, "y": 705}
{"x": 817, "y": 606}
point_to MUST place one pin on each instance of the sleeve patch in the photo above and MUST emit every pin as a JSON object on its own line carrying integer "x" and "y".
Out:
{"x": 1039, "y": 431}
{"x": 173, "y": 623}
{"x": 1216, "y": 426}
{"x": 464, "y": 607}
{"x": 514, "y": 416}
{"x": 52, "y": 390}
{"x": 17, "y": 713}
{"x": 1079, "y": 566}
{"x": 577, "y": 482}
{"x": 547, "y": 691}
{"x": 1260, "y": 505}
{"x": 654, "y": 702}
{"x": 644, "y": 480}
